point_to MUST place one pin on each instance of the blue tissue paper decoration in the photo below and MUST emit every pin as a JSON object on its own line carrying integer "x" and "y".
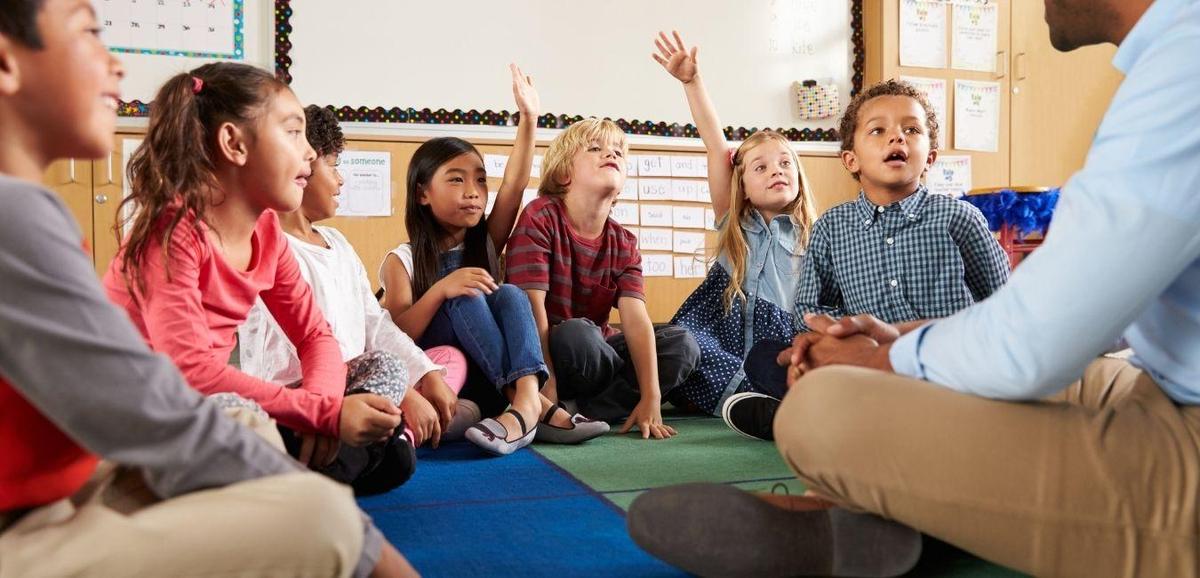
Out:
{"x": 1026, "y": 212}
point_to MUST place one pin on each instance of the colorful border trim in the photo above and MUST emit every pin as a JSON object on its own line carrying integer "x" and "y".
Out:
{"x": 239, "y": 41}
{"x": 396, "y": 114}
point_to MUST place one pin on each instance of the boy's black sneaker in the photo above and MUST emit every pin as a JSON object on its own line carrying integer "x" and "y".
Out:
{"x": 751, "y": 414}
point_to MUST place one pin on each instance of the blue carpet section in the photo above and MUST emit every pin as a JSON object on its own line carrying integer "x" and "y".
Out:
{"x": 464, "y": 514}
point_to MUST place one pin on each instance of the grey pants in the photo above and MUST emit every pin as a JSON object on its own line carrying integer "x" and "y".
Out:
{"x": 598, "y": 373}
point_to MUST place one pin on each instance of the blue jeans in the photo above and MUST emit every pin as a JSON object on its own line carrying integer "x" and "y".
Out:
{"x": 496, "y": 331}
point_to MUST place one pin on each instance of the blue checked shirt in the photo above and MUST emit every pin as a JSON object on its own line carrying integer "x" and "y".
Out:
{"x": 1123, "y": 254}
{"x": 922, "y": 257}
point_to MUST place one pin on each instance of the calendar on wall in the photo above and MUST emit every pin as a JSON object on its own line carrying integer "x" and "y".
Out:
{"x": 202, "y": 28}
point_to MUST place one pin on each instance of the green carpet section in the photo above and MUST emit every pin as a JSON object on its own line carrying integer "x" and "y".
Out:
{"x": 620, "y": 467}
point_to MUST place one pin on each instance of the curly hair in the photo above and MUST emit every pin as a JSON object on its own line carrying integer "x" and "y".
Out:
{"x": 323, "y": 131}
{"x": 893, "y": 87}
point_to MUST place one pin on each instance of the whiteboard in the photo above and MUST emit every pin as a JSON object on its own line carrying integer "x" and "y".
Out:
{"x": 588, "y": 59}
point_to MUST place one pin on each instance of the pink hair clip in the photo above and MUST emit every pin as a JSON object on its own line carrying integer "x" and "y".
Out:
{"x": 197, "y": 84}
{"x": 732, "y": 155}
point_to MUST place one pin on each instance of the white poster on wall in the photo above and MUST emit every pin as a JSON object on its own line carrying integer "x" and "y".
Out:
{"x": 656, "y": 215}
{"x": 367, "y": 191}
{"x": 974, "y": 45}
{"x": 494, "y": 165}
{"x": 690, "y": 267}
{"x": 629, "y": 192}
{"x": 625, "y": 213}
{"x": 654, "y": 189}
{"x": 657, "y": 265}
{"x": 949, "y": 175}
{"x": 923, "y": 33}
{"x": 689, "y": 243}
{"x": 655, "y": 239}
{"x": 654, "y": 166}
{"x": 977, "y": 115}
{"x": 687, "y": 217}
{"x": 935, "y": 92}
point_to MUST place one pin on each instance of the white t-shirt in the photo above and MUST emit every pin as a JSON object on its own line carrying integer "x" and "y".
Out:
{"x": 404, "y": 253}
{"x": 343, "y": 292}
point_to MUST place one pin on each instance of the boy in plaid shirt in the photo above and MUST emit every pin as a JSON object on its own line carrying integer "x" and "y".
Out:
{"x": 897, "y": 252}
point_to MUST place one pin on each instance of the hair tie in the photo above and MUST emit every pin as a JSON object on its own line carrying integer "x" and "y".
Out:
{"x": 197, "y": 84}
{"x": 732, "y": 155}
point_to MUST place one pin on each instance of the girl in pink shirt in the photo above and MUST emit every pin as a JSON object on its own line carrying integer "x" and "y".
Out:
{"x": 224, "y": 150}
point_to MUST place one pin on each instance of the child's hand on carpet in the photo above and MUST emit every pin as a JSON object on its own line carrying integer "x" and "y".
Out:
{"x": 647, "y": 416}
{"x": 422, "y": 419}
{"x": 317, "y": 451}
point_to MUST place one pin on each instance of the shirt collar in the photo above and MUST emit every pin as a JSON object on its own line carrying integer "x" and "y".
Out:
{"x": 910, "y": 206}
{"x": 1156, "y": 20}
{"x": 753, "y": 222}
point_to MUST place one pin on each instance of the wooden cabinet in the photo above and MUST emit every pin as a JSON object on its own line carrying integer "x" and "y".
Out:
{"x": 1051, "y": 102}
{"x": 92, "y": 191}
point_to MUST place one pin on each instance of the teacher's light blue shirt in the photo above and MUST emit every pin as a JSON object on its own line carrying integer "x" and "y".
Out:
{"x": 1123, "y": 254}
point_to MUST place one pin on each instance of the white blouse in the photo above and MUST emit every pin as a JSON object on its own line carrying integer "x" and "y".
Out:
{"x": 343, "y": 292}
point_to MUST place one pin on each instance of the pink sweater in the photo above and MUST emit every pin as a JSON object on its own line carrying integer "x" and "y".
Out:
{"x": 193, "y": 317}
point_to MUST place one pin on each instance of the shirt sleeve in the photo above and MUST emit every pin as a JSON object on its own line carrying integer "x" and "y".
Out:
{"x": 630, "y": 282}
{"x": 528, "y": 253}
{"x": 381, "y": 332}
{"x": 817, "y": 291}
{"x": 173, "y": 313}
{"x": 80, "y": 361}
{"x": 985, "y": 265}
{"x": 1126, "y": 227}
{"x": 294, "y": 308}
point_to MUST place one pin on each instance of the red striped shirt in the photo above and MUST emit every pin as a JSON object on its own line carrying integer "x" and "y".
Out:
{"x": 581, "y": 277}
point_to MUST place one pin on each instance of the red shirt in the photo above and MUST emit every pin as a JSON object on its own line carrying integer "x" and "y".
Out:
{"x": 193, "y": 317}
{"x": 581, "y": 277}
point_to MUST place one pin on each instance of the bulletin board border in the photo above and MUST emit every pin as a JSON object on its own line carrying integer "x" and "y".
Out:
{"x": 441, "y": 116}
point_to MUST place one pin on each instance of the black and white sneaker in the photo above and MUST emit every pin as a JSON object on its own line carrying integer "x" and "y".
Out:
{"x": 751, "y": 414}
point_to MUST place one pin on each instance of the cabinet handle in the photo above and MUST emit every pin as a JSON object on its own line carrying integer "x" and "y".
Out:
{"x": 1019, "y": 66}
{"x": 101, "y": 199}
{"x": 109, "y": 167}
{"x": 1002, "y": 61}
{"x": 71, "y": 171}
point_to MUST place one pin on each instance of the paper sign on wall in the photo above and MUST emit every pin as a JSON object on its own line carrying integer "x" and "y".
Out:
{"x": 625, "y": 213}
{"x": 631, "y": 166}
{"x": 935, "y": 92}
{"x": 654, "y": 189}
{"x": 535, "y": 170}
{"x": 687, "y": 217}
{"x": 689, "y": 268}
{"x": 710, "y": 219}
{"x": 655, "y": 239}
{"x": 974, "y": 46}
{"x": 629, "y": 192}
{"x": 686, "y": 190}
{"x": 656, "y": 215}
{"x": 923, "y": 33}
{"x": 654, "y": 166}
{"x": 494, "y": 165}
{"x": 491, "y": 203}
{"x": 689, "y": 166}
{"x": 949, "y": 175}
{"x": 657, "y": 266}
{"x": 689, "y": 243}
{"x": 367, "y": 190}
{"x": 977, "y": 115}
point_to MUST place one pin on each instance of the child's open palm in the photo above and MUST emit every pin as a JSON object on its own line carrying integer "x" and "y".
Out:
{"x": 524, "y": 93}
{"x": 675, "y": 57}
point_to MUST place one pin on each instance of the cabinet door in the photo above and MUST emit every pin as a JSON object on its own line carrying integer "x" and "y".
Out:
{"x": 1058, "y": 100}
{"x": 72, "y": 180}
{"x": 106, "y": 197}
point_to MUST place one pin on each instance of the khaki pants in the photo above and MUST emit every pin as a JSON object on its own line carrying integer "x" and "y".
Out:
{"x": 290, "y": 525}
{"x": 1102, "y": 480}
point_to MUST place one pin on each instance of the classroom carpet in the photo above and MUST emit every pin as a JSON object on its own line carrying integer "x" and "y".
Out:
{"x": 559, "y": 510}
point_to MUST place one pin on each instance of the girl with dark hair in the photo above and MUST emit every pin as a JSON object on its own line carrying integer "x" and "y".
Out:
{"x": 440, "y": 287}
{"x": 225, "y": 149}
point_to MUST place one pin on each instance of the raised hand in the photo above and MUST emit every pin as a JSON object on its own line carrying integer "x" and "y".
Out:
{"x": 524, "y": 93}
{"x": 676, "y": 58}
